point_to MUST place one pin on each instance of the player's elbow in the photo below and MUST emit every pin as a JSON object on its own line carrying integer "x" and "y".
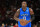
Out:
{"x": 33, "y": 13}
{"x": 14, "y": 17}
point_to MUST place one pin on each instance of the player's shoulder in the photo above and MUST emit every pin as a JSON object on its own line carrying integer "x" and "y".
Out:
{"x": 18, "y": 9}
{"x": 30, "y": 8}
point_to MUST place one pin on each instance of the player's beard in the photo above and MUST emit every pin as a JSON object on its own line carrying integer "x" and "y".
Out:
{"x": 23, "y": 7}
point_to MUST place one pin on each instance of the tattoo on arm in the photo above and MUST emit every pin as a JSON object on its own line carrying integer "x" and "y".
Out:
{"x": 16, "y": 15}
{"x": 31, "y": 11}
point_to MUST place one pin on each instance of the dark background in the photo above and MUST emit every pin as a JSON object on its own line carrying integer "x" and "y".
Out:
{"x": 9, "y": 7}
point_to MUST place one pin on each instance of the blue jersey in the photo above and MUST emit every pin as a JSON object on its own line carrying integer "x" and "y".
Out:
{"x": 24, "y": 15}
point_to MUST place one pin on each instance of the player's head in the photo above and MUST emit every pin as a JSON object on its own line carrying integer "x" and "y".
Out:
{"x": 24, "y": 4}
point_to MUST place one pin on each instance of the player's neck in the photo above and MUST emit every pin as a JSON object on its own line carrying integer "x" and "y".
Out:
{"x": 24, "y": 9}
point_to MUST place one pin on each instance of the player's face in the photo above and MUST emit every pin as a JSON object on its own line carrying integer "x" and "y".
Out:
{"x": 24, "y": 4}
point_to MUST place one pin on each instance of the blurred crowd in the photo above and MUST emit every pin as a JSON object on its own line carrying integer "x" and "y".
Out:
{"x": 11, "y": 25}
{"x": 9, "y": 7}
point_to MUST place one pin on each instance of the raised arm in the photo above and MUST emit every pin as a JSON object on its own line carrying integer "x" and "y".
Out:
{"x": 16, "y": 15}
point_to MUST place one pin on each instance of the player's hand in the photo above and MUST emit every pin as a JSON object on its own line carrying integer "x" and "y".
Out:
{"x": 20, "y": 20}
{"x": 23, "y": 22}
{"x": 28, "y": 21}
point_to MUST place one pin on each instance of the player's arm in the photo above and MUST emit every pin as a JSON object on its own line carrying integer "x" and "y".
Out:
{"x": 31, "y": 13}
{"x": 16, "y": 15}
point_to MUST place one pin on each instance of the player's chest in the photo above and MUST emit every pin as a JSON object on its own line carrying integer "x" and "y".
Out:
{"x": 26, "y": 13}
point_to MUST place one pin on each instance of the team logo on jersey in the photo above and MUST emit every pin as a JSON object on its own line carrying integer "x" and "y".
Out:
{"x": 24, "y": 15}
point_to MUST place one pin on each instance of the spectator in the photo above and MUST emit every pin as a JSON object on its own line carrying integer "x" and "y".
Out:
{"x": 11, "y": 25}
{"x": 16, "y": 25}
{"x": 6, "y": 25}
{"x": 3, "y": 25}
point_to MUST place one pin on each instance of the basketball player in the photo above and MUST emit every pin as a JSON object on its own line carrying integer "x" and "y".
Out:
{"x": 23, "y": 15}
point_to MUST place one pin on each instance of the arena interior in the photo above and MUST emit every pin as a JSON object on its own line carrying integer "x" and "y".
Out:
{"x": 9, "y": 7}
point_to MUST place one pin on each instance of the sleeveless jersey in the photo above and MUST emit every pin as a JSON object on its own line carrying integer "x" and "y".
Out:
{"x": 24, "y": 15}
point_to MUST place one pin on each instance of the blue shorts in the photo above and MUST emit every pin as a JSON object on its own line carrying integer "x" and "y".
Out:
{"x": 28, "y": 25}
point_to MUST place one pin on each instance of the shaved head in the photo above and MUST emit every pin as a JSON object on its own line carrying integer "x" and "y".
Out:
{"x": 24, "y": 4}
